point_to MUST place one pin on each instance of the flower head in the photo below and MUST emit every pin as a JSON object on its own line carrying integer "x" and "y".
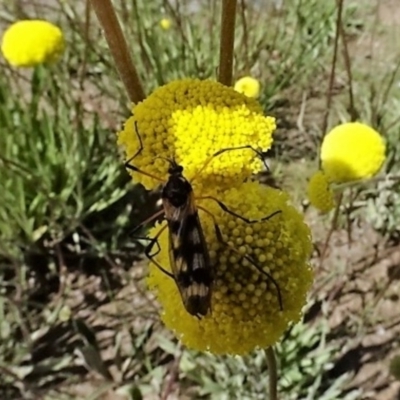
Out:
{"x": 352, "y": 151}
{"x": 165, "y": 24}
{"x": 245, "y": 302}
{"x": 32, "y": 42}
{"x": 249, "y": 86}
{"x": 190, "y": 120}
{"x": 320, "y": 193}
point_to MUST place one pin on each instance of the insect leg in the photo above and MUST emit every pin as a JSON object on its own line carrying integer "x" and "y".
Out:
{"x": 226, "y": 149}
{"x": 246, "y": 257}
{"x": 147, "y": 251}
{"x": 247, "y": 220}
{"x": 149, "y": 247}
{"x": 132, "y": 167}
{"x": 146, "y": 221}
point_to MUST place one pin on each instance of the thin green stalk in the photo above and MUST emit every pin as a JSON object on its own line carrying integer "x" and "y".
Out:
{"x": 272, "y": 373}
{"x": 333, "y": 71}
{"x": 119, "y": 49}
{"x": 354, "y": 114}
{"x": 228, "y": 17}
{"x": 332, "y": 228}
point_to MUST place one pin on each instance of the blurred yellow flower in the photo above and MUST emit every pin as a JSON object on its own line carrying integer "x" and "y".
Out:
{"x": 320, "y": 193}
{"x": 191, "y": 120}
{"x": 32, "y": 42}
{"x": 245, "y": 304}
{"x": 249, "y": 86}
{"x": 352, "y": 151}
{"x": 165, "y": 23}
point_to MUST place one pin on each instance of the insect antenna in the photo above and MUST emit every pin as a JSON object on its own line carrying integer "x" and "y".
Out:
{"x": 259, "y": 153}
{"x": 129, "y": 165}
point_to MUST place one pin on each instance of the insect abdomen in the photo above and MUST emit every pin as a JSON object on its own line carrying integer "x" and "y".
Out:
{"x": 191, "y": 264}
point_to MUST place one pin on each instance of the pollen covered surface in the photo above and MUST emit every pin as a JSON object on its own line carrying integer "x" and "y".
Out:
{"x": 190, "y": 120}
{"x": 245, "y": 308}
{"x": 352, "y": 151}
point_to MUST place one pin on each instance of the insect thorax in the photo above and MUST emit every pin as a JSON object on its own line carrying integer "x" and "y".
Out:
{"x": 177, "y": 190}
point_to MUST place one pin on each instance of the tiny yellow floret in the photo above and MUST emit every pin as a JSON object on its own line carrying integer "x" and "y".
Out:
{"x": 31, "y": 42}
{"x": 352, "y": 151}
{"x": 190, "y": 120}
{"x": 245, "y": 306}
{"x": 165, "y": 24}
{"x": 249, "y": 86}
{"x": 319, "y": 192}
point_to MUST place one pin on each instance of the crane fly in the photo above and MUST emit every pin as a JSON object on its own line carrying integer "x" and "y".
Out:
{"x": 189, "y": 257}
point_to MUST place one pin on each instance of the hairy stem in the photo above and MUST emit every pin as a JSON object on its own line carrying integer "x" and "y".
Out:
{"x": 354, "y": 115}
{"x": 228, "y": 17}
{"x": 272, "y": 373}
{"x": 333, "y": 70}
{"x": 119, "y": 49}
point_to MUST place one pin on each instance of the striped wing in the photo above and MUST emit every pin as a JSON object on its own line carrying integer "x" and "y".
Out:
{"x": 189, "y": 258}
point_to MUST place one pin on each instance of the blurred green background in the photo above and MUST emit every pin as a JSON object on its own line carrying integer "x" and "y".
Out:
{"x": 73, "y": 303}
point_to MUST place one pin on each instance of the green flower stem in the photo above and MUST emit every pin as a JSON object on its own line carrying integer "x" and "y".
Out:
{"x": 332, "y": 73}
{"x": 334, "y": 222}
{"x": 119, "y": 49}
{"x": 227, "y": 41}
{"x": 272, "y": 373}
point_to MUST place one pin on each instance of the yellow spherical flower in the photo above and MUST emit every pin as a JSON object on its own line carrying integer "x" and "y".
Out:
{"x": 165, "y": 23}
{"x": 320, "y": 193}
{"x": 190, "y": 120}
{"x": 32, "y": 42}
{"x": 352, "y": 151}
{"x": 248, "y": 86}
{"x": 245, "y": 306}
